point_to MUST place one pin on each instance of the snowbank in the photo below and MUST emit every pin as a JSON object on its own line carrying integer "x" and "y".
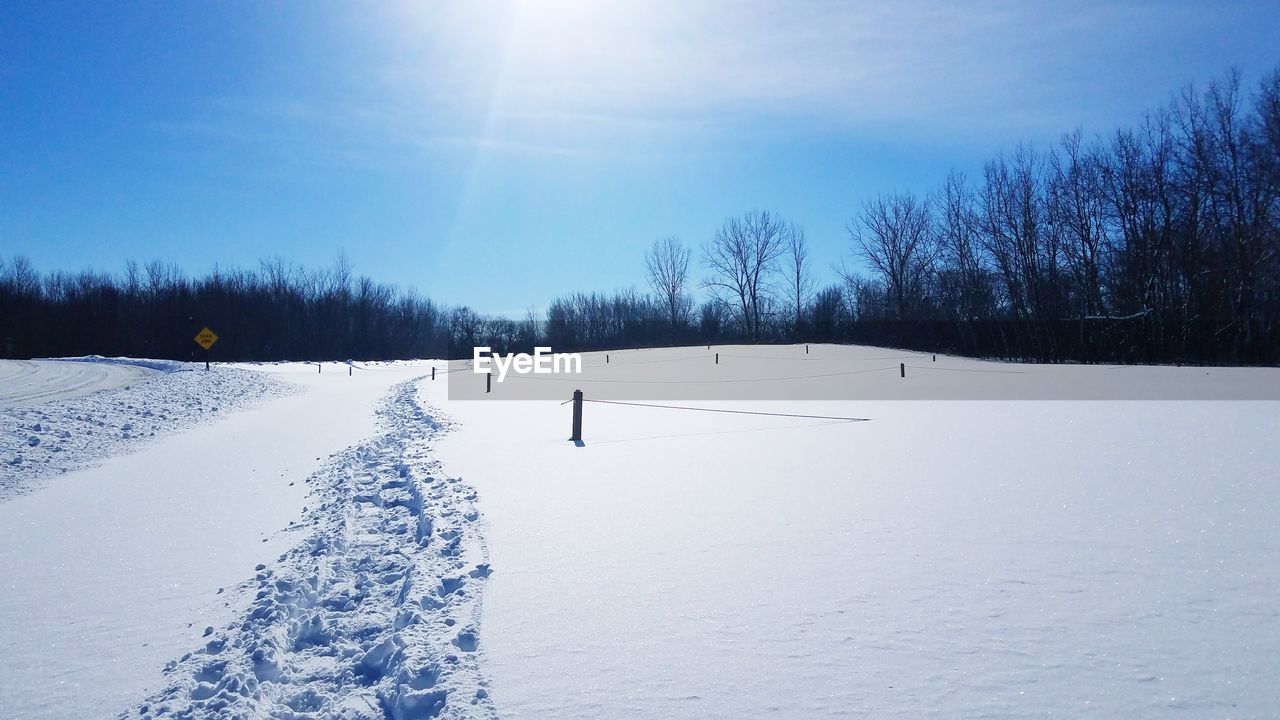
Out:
{"x": 60, "y": 435}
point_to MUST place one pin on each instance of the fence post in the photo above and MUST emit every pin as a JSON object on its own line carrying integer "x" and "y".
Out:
{"x": 717, "y": 358}
{"x": 577, "y": 417}
{"x": 433, "y": 372}
{"x": 318, "y": 368}
{"x": 902, "y": 368}
{"x": 935, "y": 358}
{"x": 606, "y": 358}
{"x": 806, "y": 349}
{"x": 348, "y": 371}
{"x": 488, "y": 381}
{"x": 206, "y": 365}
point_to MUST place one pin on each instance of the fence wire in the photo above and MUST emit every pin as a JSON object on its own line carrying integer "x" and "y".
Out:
{"x": 701, "y": 382}
{"x": 968, "y": 370}
{"x": 809, "y": 358}
{"x": 722, "y": 410}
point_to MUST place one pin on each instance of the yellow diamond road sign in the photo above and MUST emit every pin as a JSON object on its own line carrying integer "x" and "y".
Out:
{"x": 206, "y": 338}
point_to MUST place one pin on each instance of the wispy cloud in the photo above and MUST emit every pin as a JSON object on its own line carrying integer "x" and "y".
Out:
{"x": 557, "y": 77}
{"x": 839, "y": 63}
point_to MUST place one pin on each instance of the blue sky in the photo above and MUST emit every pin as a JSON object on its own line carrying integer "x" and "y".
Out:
{"x": 500, "y": 153}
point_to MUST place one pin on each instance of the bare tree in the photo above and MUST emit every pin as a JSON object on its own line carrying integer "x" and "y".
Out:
{"x": 19, "y": 277}
{"x": 828, "y": 306}
{"x": 1076, "y": 208}
{"x": 668, "y": 264}
{"x": 465, "y": 329}
{"x": 1245, "y": 207}
{"x": 741, "y": 256}
{"x": 966, "y": 281}
{"x": 1024, "y": 246}
{"x": 799, "y": 278}
{"x": 1142, "y": 268}
{"x": 895, "y": 235}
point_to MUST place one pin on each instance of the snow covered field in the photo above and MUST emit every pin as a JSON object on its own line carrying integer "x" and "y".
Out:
{"x": 946, "y": 558}
{"x": 325, "y": 550}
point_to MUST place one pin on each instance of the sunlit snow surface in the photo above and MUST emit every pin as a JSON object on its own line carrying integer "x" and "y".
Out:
{"x": 115, "y": 570}
{"x": 946, "y": 558}
{"x": 32, "y": 382}
{"x": 941, "y": 558}
{"x": 61, "y": 415}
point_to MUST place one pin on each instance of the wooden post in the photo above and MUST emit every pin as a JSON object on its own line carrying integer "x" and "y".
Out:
{"x": 318, "y": 368}
{"x": 348, "y": 371}
{"x": 717, "y": 358}
{"x": 488, "y": 382}
{"x": 577, "y": 417}
{"x": 902, "y": 368}
{"x": 806, "y": 349}
{"x": 433, "y": 372}
{"x": 935, "y": 358}
{"x": 606, "y": 358}
{"x": 206, "y": 365}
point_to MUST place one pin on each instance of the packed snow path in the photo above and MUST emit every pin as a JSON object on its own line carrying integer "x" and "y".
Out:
{"x": 373, "y": 616}
{"x": 110, "y": 571}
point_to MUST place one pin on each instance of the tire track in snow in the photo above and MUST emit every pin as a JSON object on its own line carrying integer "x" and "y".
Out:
{"x": 374, "y": 615}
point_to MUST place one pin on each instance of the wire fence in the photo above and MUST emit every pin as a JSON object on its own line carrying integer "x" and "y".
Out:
{"x": 966, "y": 370}
{"x": 624, "y": 363}
{"x": 700, "y": 382}
{"x": 811, "y": 358}
{"x": 579, "y": 400}
{"x": 723, "y": 410}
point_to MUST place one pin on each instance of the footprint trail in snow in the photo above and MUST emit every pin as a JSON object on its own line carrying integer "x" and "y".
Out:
{"x": 374, "y": 615}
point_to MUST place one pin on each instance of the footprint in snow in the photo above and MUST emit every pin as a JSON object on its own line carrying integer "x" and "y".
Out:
{"x": 467, "y": 641}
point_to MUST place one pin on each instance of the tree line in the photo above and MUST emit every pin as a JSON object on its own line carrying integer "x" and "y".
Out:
{"x": 276, "y": 312}
{"x": 1157, "y": 243}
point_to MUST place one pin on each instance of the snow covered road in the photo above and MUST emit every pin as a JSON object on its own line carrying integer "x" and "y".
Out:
{"x": 31, "y": 382}
{"x": 110, "y": 572}
{"x": 42, "y": 440}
